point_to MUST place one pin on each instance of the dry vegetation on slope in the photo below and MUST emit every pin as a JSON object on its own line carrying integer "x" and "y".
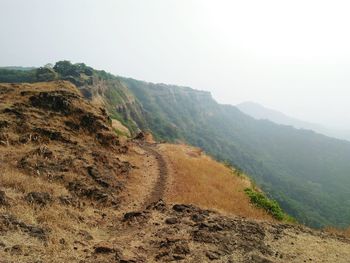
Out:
{"x": 198, "y": 179}
{"x": 60, "y": 173}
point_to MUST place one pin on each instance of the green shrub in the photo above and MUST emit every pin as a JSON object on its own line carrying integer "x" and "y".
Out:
{"x": 271, "y": 206}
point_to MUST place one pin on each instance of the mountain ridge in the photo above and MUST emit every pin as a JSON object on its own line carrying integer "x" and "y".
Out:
{"x": 73, "y": 190}
{"x": 292, "y": 166}
{"x": 195, "y": 133}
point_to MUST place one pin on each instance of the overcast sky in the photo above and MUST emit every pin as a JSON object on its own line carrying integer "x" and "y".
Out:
{"x": 293, "y": 56}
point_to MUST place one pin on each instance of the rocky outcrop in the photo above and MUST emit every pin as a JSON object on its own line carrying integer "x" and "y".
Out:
{"x": 59, "y": 155}
{"x": 186, "y": 233}
{"x": 9, "y": 222}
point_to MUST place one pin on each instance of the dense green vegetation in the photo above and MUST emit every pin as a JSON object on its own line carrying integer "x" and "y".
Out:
{"x": 77, "y": 73}
{"x": 262, "y": 201}
{"x": 11, "y": 75}
{"x": 306, "y": 173}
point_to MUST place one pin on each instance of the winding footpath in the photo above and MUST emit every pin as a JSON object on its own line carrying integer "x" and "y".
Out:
{"x": 158, "y": 190}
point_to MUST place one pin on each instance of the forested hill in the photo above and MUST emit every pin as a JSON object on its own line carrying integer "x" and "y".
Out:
{"x": 307, "y": 173}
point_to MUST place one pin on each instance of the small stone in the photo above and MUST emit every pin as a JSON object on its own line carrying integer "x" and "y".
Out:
{"x": 180, "y": 208}
{"x": 171, "y": 220}
{"x": 178, "y": 257}
{"x": 132, "y": 215}
{"x": 104, "y": 248}
{"x": 212, "y": 255}
{"x": 197, "y": 218}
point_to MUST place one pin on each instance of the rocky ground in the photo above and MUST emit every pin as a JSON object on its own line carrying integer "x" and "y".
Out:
{"x": 186, "y": 233}
{"x": 72, "y": 191}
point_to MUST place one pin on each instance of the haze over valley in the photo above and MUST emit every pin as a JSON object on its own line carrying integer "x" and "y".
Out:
{"x": 260, "y": 112}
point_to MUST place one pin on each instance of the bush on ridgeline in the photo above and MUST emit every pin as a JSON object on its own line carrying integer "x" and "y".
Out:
{"x": 66, "y": 68}
{"x": 79, "y": 74}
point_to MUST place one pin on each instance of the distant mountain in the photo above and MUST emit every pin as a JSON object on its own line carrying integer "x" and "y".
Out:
{"x": 260, "y": 112}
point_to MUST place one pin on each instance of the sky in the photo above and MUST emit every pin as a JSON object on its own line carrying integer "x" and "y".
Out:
{"x": 292, "y": 56}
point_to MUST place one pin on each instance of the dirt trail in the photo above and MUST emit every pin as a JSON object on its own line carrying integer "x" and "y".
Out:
{"x": 157, "y": 192}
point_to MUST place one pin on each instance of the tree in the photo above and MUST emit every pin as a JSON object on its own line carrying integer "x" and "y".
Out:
{"x": 66, "y": 68}
{"x": 45, "y": 74}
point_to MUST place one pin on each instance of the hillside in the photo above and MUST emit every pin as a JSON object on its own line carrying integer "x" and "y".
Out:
{"x": 201, "y": 181}
{"x": 307, "y": 173}
{"x": 74, "y": 191}
{"x": 260, "y": 112}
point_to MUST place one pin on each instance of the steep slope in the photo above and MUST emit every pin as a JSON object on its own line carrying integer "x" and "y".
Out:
{"x": 66, "y": 179}
{"x": 260, "y": 112}
{"x": 197, "y": 179}
{"x": 120, "y": 103}
{"x": 60, "y": 172}
{"x": 71, "y": 191}
{"x": 306, "y": 172}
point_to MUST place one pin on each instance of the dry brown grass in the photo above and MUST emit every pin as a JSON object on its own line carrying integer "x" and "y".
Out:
{"x": 120, "y": 127}
{"x": 62, "y": 222}
{"x": 24, "y": 183}
{"x": 337, "y": 231}
{"x": 198, "y": 179}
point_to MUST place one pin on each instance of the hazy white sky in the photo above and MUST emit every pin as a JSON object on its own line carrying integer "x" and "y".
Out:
{"x": 293, "y": 56}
